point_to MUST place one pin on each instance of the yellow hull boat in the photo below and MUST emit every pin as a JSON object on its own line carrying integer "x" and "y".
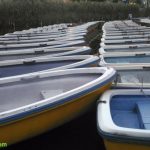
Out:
{"x": 66, "y": 94}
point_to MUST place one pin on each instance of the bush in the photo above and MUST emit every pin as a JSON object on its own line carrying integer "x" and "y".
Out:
{"x": 24, "y": 14}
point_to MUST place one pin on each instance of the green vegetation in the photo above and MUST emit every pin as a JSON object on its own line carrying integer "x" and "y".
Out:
{"x": 93, "y": 37}
{"x": 24, "y": 14}
{"x": 3, "y": 145}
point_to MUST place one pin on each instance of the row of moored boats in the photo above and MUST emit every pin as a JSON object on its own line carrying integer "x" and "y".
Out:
{"x": 123, "y": 113}
{"x": 47, "y": 77}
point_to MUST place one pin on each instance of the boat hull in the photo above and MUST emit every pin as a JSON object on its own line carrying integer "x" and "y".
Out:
{"x": 112, "y": 145}
{"x": 46, "y": 120}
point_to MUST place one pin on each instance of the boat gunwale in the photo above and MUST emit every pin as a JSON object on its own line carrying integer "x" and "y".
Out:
{"x": 39, "y": 45}
{"x": 126, "y": 51}
{"x": 46, "y": 50}
{"x": 42, "y": 59}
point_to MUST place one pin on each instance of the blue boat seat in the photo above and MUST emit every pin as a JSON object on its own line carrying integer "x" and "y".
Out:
{"x": 143, "y": 108}
{"x": 50, "y": 93}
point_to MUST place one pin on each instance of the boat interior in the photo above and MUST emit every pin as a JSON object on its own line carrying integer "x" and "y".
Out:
{"x": 33, "y": 66}
{"x": 23, "y": 56}
{"x": 133, "y": 76}
{"x": 131, "y": 111}
{"x": 128, "y": 59}
{"x": 29, "y": 89}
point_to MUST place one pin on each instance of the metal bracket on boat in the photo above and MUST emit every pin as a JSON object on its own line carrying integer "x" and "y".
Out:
{"x": 29, "y": 78}
{"x": 146, "y": 68}
{"x": 101, "y": 101}
{"x": 39, "y": 51}
{"x": 133, "y": 46}
{"x": 128, "y": 42}
{"x": 125, "y": 37}
{"x": 29, "y": 62}
{"x": 3, "y": 43}
{"x": 42, "y": 45}
{"x": 51, "y": 39}
{"x": 28, "y": 34}
{"x": 143, "y": 54}
{"x": 124, "y": 33}
{"x": 142, "y": 33}
{"x": 18, "y": 38}
{"x": 117, "y": 79}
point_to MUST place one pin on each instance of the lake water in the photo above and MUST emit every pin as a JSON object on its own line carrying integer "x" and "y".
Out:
{"x": 79, "y": 134}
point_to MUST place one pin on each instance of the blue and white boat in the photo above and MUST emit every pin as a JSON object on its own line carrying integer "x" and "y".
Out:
{"x": 126, "y": 30}
{"x": 123, "y": 119}
{"x": 121, "y": 37}
{"x": 132, "y": 76}
{"x": 24, "y": 47}
{"x": 125, "y": 41}
{"x": 38, "y": 52}
{"x": 52, "y": 32}
{"x": 122, "y": 59}
{"x": 124, "y": 48}
{"x": 44, "y": 64}
{"x": 50, "y": 37}
{"x": 31, "y": 41}
{"x": 120, "y": 24}
{"x": 138, "y": 32}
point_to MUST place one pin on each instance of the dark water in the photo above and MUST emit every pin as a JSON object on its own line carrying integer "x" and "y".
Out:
{"x": 79, "y": 134}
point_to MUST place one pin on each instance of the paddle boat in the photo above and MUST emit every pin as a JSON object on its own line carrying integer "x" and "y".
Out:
{"x": 37, "y": 64}
{"x": 35, "y": 103}
{"x": 123, "y": 119}
{"x": 37, "y": 52}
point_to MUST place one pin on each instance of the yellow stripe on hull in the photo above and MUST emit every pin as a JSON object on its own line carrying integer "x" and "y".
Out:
{"x": 111, "y": 145}
{"x": 49, "y": 119}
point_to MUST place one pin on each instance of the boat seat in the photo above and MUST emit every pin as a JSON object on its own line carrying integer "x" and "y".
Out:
{"x": 143, "y": 108}
{"x": 129, "y": 78}
{"x": 50, "y": 93}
